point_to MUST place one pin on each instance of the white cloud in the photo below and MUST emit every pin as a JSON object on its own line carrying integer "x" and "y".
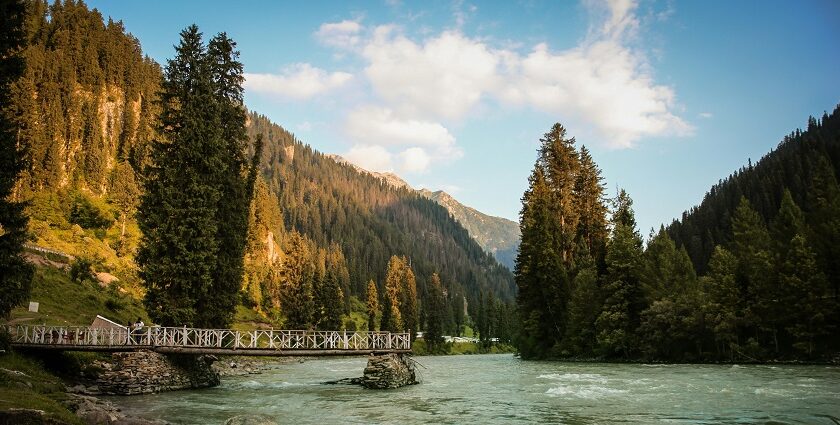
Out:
{"x": 344, "y": 34}
{"x": 381, "y": 126}
{"x": 444, "y": 76}
{"x": 419, "y": 85}
{"x": 602, "y": 83}
{"x": 298, "y": 81}
{"x": 706, "y": 115}
{"x": 415, "y": 160}
{"x": 370, "y": 157}
{"x": 420, "y": 143}
{"x": 304, "y": 126}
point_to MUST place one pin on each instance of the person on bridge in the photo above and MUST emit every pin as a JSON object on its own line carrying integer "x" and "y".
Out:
{"x": 138, "y": 328}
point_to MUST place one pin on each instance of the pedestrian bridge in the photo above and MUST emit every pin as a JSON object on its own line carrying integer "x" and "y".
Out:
{"x": 270, "y": 342}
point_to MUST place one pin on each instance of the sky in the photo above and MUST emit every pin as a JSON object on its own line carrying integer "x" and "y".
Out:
{"x": 670, "y": 97}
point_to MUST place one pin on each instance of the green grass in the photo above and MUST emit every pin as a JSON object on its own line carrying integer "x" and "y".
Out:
{"x": 24, "y": 383}
{"x": 65, "y": 302}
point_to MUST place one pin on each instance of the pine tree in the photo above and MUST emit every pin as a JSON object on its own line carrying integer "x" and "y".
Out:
{"x": 372, "y": 305}
{"x": 409, "y": 307}
{"x": 561, "y": 165}
{"x": 15, "y": 272}
{"x": 666, "y": 271}
{"x": 178, "y": 255}
{"x": 789, "y": 222}
{"x": 538, "y": 272}
{"x": 329, "y": 298}
{"x": 391, "y": 316}
{"x": 589, "y": 196}
{"x": 623, "y": 298}
{"x": 297, "y": 281}
{"x": 435, "y": 306}
{"x": 125, "y": 193}
{"x": 752, "y": 248}
{"x": 235, "y": 181}
{"x": 722, "y": 308}
{"x": 584, "y": 308}
{"x": 804, "y": 305}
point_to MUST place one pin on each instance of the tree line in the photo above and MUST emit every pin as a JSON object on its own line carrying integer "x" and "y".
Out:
{"x": 601, "y": 292}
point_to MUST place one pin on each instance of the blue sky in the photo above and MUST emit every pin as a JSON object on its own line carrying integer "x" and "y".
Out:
{"x": 669, "y": 96}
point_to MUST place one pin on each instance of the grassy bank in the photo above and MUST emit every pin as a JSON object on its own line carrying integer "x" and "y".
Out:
{"x": 63, "y": 301}
{"x": 25, "y": 383}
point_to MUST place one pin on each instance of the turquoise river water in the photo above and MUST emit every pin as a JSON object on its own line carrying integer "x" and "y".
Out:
{"x": 501, "y": 389}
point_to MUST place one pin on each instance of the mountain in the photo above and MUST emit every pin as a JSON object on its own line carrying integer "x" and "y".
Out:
{"x": 371, "y": 217}
{"x": 388, "y": 177}
{"x": 496, "y": 235}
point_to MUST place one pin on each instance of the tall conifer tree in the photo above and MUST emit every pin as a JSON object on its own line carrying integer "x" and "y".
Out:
{"x": 235, "y": 180}
{"x": 372, "y": 305}
{"x": 589, "y": 195}
{"x": 184, "y": 251}
{"x": 623, "y": 297}
{"x": 15, "y": 272}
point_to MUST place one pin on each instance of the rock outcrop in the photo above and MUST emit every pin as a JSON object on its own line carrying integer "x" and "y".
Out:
{"x": 388, "y": 371}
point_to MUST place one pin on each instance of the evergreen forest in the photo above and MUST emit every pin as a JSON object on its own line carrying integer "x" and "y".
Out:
{"x": 748, "y": 275}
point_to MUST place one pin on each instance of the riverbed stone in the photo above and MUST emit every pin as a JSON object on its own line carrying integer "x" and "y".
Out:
{"x": 251, "y": 420}
{"x": 389, "y": 371}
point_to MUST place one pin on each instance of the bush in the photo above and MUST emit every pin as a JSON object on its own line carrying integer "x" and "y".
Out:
{"x": 82, "y": 270}
{"x": 84, "y": 213}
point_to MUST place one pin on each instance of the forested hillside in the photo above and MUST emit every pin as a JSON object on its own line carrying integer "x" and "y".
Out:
{"x": 805, "y": 163}
{"x": 369, "y": 220}
{"x": 89, "y": 114}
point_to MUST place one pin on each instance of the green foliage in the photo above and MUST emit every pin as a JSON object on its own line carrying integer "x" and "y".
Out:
{"x": 297, "y": 276}
{"x": 15, "y": 273}
{"x": 372, "y": 305}
{"x": 331, "y": 202}
{"x": 623, "y": 299}
{"x": 435, "y": 307}
{"x": 25, "y": 383}
{"x": 765, "y": 242}
{"x": 64, "y": 301}
{"x": 723, "y": 302}
{"x": 194, "y": 213}
{"x": 87, "y": 214}
{"x": 563, "y": 216}
{"x": 584, "y": 307}
{"x": 82, "y": 270}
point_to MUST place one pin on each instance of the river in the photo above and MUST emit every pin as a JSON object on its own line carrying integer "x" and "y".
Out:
{"x": 501, "y": 389}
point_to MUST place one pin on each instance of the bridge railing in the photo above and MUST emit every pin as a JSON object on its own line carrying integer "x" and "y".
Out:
{"x": 268, "y": 339}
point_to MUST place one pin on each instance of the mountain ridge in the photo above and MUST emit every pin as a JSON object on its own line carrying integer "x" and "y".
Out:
{"x": 496, "y": 235}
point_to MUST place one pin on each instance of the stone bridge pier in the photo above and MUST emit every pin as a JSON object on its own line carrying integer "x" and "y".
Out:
{"x": 391, "y": 370}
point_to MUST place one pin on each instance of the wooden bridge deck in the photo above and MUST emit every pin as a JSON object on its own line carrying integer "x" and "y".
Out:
{"x": 271, "y": 342}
